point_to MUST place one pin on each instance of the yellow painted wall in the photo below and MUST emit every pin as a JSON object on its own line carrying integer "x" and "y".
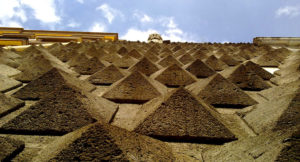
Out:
{"x": 1, "y": 32}
{"x": 109, "y": 37}
{"x": 11, "y": 43}
{"x": 56, "y": 35}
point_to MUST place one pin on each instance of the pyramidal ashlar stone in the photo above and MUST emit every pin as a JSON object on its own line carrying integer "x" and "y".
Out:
{"x": 182, "y": 117}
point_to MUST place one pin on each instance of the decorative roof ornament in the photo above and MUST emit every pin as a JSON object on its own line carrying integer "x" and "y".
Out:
{"x": 155, "y": 38}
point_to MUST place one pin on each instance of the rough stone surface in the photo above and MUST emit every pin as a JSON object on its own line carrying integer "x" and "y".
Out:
{"x": 168, "y": 61}
{"x": 63, "y": 111}
{"x": 151, "y": 56}
{"x": 86, "y": 66}
{"x": 185, "y": 59}
{"x": 247, "y": 79}
{"x": 291, "y": 116}
{"x": 175, "y": 76}
{"x": 229, "y": 60}
{"x": 291, "y": 152}
{"x": 264, "y": 129}
{"x": 107, "y": 76}
{"x": 259, "y": 70}
{"x": 220, "y": 92}
{"x": 182, "y": 117}
{"x": 125, "y": 62}
{"x": 145, "y": 66}
{"x": 200, "y": 69}
{"x": 33, "y": 66}
{"x": 99, "y": 142}
{"x": 135, "y": 88}
{"x": 7, "y": 84}
{"x": 135, "y": 54}
{"x": 122, "y": 51}
{"x": 8, "y": 71}
{"x": 9, "y": 148}
{"x": 49, "y": 82}
{"x": 215, "y": 63}
{"x": 266, "y": 61}
{"x": 9, "y": 104}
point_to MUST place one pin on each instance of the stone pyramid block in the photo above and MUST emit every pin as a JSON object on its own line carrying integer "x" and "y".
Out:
{"x": 201, "y": 55}
{"x": 220, "y": 92}
{"x": 48, "y": 82}
{"x": 102, "y": 142}
{"x": 135, "y": 88}
{"x": 168, "y": 61}
{"x": 144, "y": 66}
{"x": 291, "y": 116}
{"x": 125, "y": 62}
{"x": 122, "y": 51}
{"x": 185, "y": 59}
{"x": 64, "y": 110}
{"x": 9, "y": 148}
{"x": 9, "y": 104}
{"x": 247, "y": 79}
{"x": 179, "y": 53}
{"x": 106, "y": 76}
{"x": 7, "y": 84}
{"x": 175, "y": 76}
{"x": 278, "y": 55}
{"x": 221, "y": 52}
{"x": 200, "y": 69}
{"x": 231, "y": 61}
{"x": 265, "y": 60}
{"x": 215, "y": 63}
{"x": 176, "y": 48}
{"x": 245, "y": 54}
{"x": 32, "y": 67}
{"x": 109, "y": 57}
{"x": 62, "y": 53}
{"x": 151, "y": 56}
{"x": 135, "y": 54}
{"x": 259, "y": 70}
{"x": 85, "y": 66}
{"x": 33, "y": 49}
{"x": 165, "y": 52}
{"x": 92, "y": 51}
{"x": 290, "y": 152}
{"x": 184, "y": 118}
{"x": 8, "y": 71}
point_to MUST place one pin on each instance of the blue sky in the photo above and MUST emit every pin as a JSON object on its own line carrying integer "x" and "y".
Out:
{"x": 177, "y": 20}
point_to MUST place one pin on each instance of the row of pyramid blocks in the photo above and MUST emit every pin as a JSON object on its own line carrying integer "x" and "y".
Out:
{"x": 179, "y": 84}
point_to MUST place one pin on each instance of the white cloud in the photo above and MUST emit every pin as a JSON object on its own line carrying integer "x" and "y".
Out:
{"x": 168, "y": 22}
{"x": 171, "y": 23}
{"x": 21, "y": 14}
{"x": 11, "y": 24}
{"x": 176, "y": 37}
{"x": 109, "y": 13}
{"x": 143, "y": 18}
{"x": 44, "y": 11}
{"x": 135, "y": 34}
{"x": 169, "y": 30}
{"x": 98, "y": 27}
{"x": 290, "y": 11}
{"x": 80, "y": 1}
{"x": 73, "y": 24}
{"x": 11, "y": 13}
{"x": 173, "y": 32}
{"x": 146, "y": 18}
